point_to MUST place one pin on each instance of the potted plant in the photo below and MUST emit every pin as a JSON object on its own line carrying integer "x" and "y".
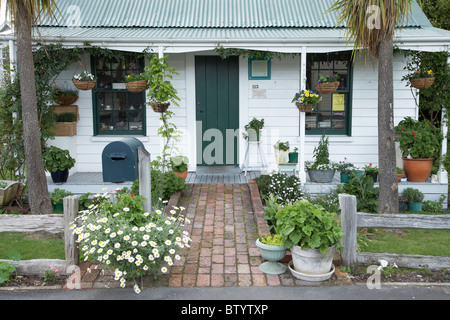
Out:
{"x": 282, "y": 151}
{"x": 135, "y": 82}
{"x": 306, "y": 100}
{"x": 58, "y": 162}
{"x": 371, "y": 171}
{"x": 313, "y": 235}
{"x": 400, "y": 173}
{"x": 420, "y": 79}
{"x": 57, "y": 197}
{"x": 420, "y": 143}
{"x": 345, "y": 168}
{"x": 84, "y": 81}
{"x": 322, "y": 169}
{"x": 180, "y": 165}
{"x": 160, "y": 91}
{"x": 66, "y": 124}
{"x": 66, "y": 97}
{"x": 293, "y": 156}
{"x": 253, "y": 129}
{"x": 414, "y": 198}
{"x": 328, "y": 84}
{"x": 272, "y": 249}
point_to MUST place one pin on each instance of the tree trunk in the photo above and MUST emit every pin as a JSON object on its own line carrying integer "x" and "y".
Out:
{"x": 37, "y": 183}
{"x": 388, "y": 185}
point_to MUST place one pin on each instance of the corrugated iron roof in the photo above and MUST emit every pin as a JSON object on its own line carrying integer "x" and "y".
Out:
{"x": 201, "y": 14}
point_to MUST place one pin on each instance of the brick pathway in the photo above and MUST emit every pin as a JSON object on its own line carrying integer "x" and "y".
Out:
{"x": 223, "y": 252}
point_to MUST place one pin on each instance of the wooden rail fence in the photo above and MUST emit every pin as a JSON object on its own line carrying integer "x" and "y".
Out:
{"x": 351, "y": 220}
{"x": 52, "y": 223}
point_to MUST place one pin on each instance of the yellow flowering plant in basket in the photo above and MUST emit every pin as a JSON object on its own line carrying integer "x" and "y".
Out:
{"x": 306, "y": 100}
{"x": 117, "y": 232}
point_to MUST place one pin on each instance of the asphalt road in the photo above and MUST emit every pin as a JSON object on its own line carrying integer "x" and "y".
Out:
{"x": 242, "y": 294}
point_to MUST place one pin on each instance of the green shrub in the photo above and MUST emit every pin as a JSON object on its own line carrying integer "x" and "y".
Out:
{"x": 163, "y": 185}
{"x": 364, "y": 191}
{"x": 413, "y": 195}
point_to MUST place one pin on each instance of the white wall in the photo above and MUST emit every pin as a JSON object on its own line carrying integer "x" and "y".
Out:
{"x": 280, "y": 115}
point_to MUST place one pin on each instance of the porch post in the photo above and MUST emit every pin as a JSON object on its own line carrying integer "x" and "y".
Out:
{"x": 442, "y": 174}
{"x": 302, "y": 173}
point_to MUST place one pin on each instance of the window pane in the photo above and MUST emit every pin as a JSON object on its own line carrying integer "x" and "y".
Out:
{"x": 119, "y": 110}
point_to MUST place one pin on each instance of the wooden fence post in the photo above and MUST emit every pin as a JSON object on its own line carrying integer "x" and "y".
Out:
{"x": 70, "y": 212}
{"x": 349, "y": 227}
{"x": 145, "y": 179}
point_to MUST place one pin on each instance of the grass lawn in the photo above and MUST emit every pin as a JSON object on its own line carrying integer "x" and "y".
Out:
{"x": 35, "y": 245}
{"x": 409, "y": 241}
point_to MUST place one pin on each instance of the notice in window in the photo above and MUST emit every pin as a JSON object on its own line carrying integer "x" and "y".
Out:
{"x": 259, "y": 68}
{"x": 338, "y": 102}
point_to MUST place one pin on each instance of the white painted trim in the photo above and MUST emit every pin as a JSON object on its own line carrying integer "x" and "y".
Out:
{"x": 191, "y": 124}
{"x": 302, "y": 173}
{"x": 243, "y": 106}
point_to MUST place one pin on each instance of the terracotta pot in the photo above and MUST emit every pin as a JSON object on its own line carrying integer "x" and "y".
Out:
{"x": 417, "y": 170}
{"x": 181, "y": 174}
{"x": 399, "y": 176}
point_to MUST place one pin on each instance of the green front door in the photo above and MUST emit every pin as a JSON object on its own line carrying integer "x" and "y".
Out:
{"x": 217, "y": 110}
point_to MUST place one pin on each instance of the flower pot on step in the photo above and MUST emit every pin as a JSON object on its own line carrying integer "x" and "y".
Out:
{"x": 417, "y": 170}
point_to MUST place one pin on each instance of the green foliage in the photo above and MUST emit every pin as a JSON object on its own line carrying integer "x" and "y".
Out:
{"x": 163, "y": 185}
{"x": 286, "y": 188}
{"x": 179, "y": 163}
{"x": 134, "y": 77}
{"x": 249, "y": 54}
{"x": 158, "y": 88}
{"x": 55, "y": 159}
{"x": 275, "y": 240}
{"x": 433, "y": 206}
{"x": 308, "y": 226}
{"x": 168, "y": 131}
{"x": 418, "y": 139}
{"x": 66, "y": 117}
{"x": 58, "y": 195}
{"x": 413, "y": 195}
{"x": 364, "y": 191}
{"x": 255, "y": 124}
{"x": 6, "y": 270}
{"x": 270, "y": 211}
{"x": 281, "y": 145}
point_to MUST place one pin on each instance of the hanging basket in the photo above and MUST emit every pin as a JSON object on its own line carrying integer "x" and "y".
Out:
{"x": 84, "y": 85}
{"x": 326, "y": 88}
{"x": 136, "y": 86}
{"x": 159, "y": 107}
{"x": 422, "y": 83}
{"x": 304, "y": 107}
{"x": 67, "y": 100}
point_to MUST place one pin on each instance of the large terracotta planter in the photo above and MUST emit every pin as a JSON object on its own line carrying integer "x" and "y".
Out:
{"x": 417, "y": 170}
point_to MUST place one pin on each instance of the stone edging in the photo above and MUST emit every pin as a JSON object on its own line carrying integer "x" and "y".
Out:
{"x": 258, "y": 210}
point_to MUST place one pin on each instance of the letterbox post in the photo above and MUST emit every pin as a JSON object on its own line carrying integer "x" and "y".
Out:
{"x": 145, "y": 185}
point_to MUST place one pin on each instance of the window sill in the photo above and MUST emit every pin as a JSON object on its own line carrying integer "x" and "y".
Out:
{"x": 115, "y": 138}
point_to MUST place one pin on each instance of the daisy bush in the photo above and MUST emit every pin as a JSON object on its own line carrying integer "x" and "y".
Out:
{"x": 118, "y": 233}
{"x": 285, "y": 187}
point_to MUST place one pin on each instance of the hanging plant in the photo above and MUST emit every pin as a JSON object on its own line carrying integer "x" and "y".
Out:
{"x": 135, "y": 82}
{"x": 84, "y": 81}
{"x": 328, "y": 84}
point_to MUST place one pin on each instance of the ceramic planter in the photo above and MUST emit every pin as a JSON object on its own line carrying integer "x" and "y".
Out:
{"x": 373, "y": 175}
{"x": 417, "y": 170}
{"x": 293, "y": 157}
{"x": 312, "y": 261}
{"x": 415, "y": 206}
{"x": 282, "y": 156}
{"x": 321, "y": 176}
{"x": 272, "y": 254}
{"x": 253, "y": 135}
{"x": 60, "y": 176}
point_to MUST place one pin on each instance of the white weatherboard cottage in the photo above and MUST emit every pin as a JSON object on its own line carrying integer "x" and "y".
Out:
{"x": 219, "y": 97}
